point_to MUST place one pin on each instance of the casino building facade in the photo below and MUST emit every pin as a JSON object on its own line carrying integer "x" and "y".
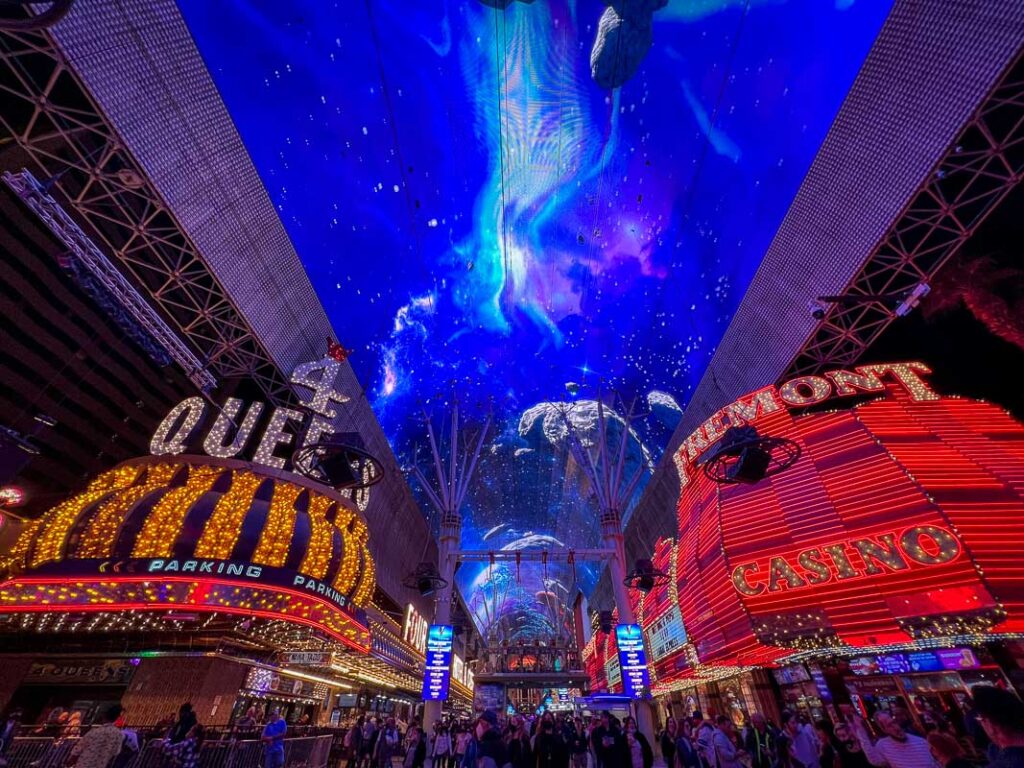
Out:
{"x": 885, "y": 563}
{"x": 253, "y": 585}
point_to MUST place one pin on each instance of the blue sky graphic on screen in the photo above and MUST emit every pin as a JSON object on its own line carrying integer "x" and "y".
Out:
{"x": 632, "y": 660}
{"x": 479, "y": 216}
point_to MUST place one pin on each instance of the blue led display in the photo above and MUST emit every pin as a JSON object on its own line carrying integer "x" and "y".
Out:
{"x": 437, "y": 672}
{"x": 632, "y": 660}
{"x": 924, "y": 661}
{"x": 479, "y": 216}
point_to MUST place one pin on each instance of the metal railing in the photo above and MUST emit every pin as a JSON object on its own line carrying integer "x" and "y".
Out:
{"x": 302, "y": 752}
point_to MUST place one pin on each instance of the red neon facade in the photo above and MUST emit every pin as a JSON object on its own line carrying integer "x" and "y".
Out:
{"x": 902, "y": 520}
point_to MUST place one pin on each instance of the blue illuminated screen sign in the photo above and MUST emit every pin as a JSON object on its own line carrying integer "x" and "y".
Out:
{"x": 632, "y": 660}
{"x": 437, "y": 674}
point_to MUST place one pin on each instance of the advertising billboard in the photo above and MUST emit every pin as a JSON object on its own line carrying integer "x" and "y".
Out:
{"x": 437, "y": 672}
{"x": 632, "y": 660}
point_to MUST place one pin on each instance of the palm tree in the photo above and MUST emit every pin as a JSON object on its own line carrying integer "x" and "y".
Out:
{"x": 992, "y": 293}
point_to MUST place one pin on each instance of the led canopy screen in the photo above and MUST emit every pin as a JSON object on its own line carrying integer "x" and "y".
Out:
{"x": 479, "y": 214}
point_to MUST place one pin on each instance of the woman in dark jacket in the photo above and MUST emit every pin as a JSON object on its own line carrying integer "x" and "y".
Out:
{"x": 517, "y": 742}
{"x": 578, "y": 744}
{"x": 646, "y": 753}
{"x": 550, "y": 749}
{"x": 686, "y": 749}
{"x": 668, "y": 741}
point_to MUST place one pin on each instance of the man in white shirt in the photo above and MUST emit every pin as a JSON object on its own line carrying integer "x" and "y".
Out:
{"x": 897, "y": 748}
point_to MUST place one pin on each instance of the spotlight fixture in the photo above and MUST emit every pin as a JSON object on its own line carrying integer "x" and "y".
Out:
{"x": 743, "y": 456}
{"x": 425, "y": 579}
{"x": 18, "y": 440}
{"x": 130, "y": 178}
{"x": 339, "y": 461}
{"x": 817, "y": 309}
{"x": 645, "y": 577}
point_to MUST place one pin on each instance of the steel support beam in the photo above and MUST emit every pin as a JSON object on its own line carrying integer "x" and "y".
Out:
{"x": 979, "y": 169}
{"x": 50, "y": 212}
{"x": 85, "y": 165}
{"x": 532, "y": 555}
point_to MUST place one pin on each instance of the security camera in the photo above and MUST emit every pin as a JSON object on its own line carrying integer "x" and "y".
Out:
{"x": 817, "y": 310}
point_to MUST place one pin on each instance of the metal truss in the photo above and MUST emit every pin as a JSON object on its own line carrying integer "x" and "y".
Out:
{"x": 32, "y": 193}
{"x": 981, "y": 167}
{"x": 50, "y": 117}
{"x": 532, "y": 555}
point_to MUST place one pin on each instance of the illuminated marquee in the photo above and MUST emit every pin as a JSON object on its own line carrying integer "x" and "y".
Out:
{"x": 801, "y": 392}
{"x": 414, "y": 630}
{"x": 902, "y": 521}
{"x": 228, "y": 437}
{"x": 137, "y": 593}
{"x": 248, "y": 571}
{"x": 211, "y": 535}
{"x": 857, "y": 558}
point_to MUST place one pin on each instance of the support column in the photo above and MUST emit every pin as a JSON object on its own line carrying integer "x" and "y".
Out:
{"x": 447, "y": 547}
{"x": 611, "y": 532}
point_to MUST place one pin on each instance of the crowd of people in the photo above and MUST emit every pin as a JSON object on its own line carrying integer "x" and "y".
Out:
{"x": 995, "y": 728}
{"x": 518, "y": 742}
{"x": 109, "y": 743}
{"x": 992, "y": 737}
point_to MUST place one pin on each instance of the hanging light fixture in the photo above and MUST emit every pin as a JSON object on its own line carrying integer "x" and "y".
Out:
{"x": 645, "y": 576}
{"x": 425, "y": 579}
{"x": 339, "y": 461}
{"x": 743, "y": 456}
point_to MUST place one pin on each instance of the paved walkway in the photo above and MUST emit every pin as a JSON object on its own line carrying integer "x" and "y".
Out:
{"x": 659, "y": 762}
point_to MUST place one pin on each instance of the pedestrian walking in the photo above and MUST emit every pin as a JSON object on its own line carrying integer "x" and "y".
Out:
{"x": 1001, "y": 714}
{"x": 8, "y": 730}
{"x": 897, "y": 748}
{"x": 387, "y": 746}
{"x": 101, "y": 744}
{"x": 667, "y": 741}
{"x": 273, "y": 740}
{"x": 727, "y": 754}
{"x": 415, "y": 748}
{"x": 185, "y": 753}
